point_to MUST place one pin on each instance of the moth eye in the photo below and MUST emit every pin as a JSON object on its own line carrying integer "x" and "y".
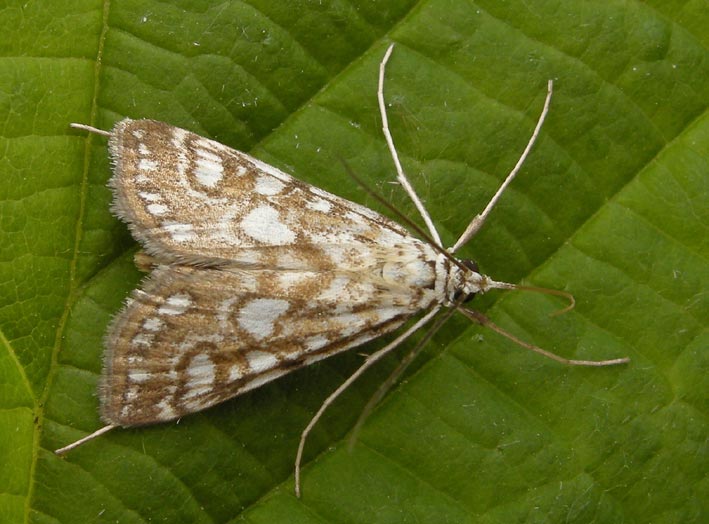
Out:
{"x": 470, "y": 264}
{"x": 468, "y": 298}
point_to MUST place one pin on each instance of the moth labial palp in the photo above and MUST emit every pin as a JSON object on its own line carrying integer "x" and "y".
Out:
{"x": 254, "y": 273}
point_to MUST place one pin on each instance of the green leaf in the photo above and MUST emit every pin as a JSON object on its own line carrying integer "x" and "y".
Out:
{"x": 612, "y": 206}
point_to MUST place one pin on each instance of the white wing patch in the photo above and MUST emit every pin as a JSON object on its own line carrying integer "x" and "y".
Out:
{"x": 258, "y": 317}
{"x": 264, "y": 225}
{"x": 209, "y": 170}
{"x": 175, "y": 304}
{"x": 268, "y": 185}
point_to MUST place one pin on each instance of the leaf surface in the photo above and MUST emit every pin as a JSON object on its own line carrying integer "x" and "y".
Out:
{"x": 612, "y": 206}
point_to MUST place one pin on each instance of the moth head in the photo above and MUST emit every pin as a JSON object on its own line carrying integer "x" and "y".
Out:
{"x": 470, "y": 286}
{"x": 470, "y": 281}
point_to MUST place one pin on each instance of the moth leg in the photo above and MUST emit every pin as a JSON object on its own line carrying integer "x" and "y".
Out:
{"x": 396, "y": 375}
{"x": 76, "y": 444}
{"x": 369, "y": 362}
{"x": 481, "y": 319}
{"x": 90, "y": 129}
{"x": 145, "y": 262}
{"x": 480, "y": 219}
{"x": 400, "y": 175}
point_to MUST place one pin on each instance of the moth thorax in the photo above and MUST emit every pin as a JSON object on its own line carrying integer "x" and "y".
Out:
{"x": 409, "y": 267}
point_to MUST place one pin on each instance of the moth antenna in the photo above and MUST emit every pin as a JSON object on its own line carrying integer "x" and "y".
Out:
{"x": 90, "y": 129}
{"x": 479, "y": 220}
{"x": 400, "y": 175}
{"x": 483, "y": 320}
{"x": 493, "y": 284}
{"x": 369, "y": 362}
{"x": 97, "y": 433}
{"x": 556, "y": 292}
{"x": 396, "y": 374}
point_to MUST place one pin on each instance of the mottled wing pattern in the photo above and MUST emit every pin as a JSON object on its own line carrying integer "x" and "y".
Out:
{"x": 190, "y": 199}
{"x": 194, "y": 337}
{"x": 256, "y": 274}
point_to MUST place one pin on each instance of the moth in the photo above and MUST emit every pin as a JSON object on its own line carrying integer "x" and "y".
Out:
{"x": 254, "y": 273}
